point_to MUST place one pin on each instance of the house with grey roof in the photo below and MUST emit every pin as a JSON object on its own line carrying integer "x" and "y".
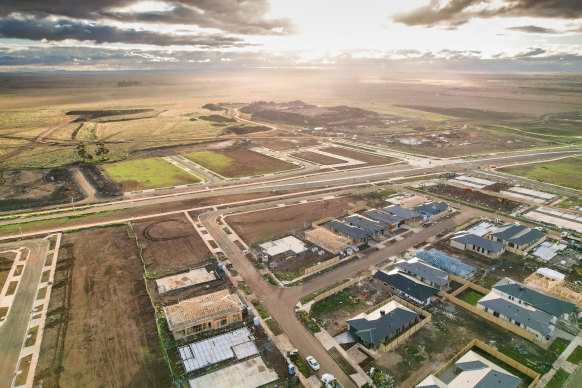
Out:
{"x": 383, "y": 324}
{"x": 481, "y": 245}
{"x": 517, "y": 238}
{"x": 521, "y": 315}
{"x": 408, "y": 216}
{"x": 424, "y": 272}
{"x": 391, "y": 220}
{"x": 374, "y": 228}
{"x": 352, "y": 232}
{"x": 472, "y": 371}
{"x": 524, "y": 295}
{"x": 431, "y": 209}
{"x": 406, "y": 286}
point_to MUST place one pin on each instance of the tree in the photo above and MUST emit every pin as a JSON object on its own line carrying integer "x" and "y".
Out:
{"x": 102, "y": 149}
{"x": 82, "y": 151}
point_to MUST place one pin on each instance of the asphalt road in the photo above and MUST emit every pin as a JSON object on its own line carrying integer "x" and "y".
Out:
{"x": 281, "y": 301}
{"x": 13, "y": 330}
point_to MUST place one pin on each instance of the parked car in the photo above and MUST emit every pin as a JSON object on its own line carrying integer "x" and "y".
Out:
{"x": 312, "y": 362}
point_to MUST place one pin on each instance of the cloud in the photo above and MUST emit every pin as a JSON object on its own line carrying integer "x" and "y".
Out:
{"x": 532, "y": 52}
{"x": 535, "y": 30}
{"x": 231, "y": 16}
{"x": 63, "y": 29}
{"x": 457, "y": 12}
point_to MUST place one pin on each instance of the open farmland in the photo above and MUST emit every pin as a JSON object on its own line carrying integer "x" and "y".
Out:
{"x": 563, "y": 172}
{"x": 264, "y": 225}
{"x": 170, "y": 242}
{"x": 369, "y": 159}
{"x": 315, "y": 157}
{"x": 150, "y": 173}
{"x": 101, "y": 327}
{"x": 238, "y": 162}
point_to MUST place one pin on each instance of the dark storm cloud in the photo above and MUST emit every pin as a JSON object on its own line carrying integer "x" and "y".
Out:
{"x": 232, "y": 16}
{"x": 43, "y": 29}
{"x": 457, "y": 12}
{"x": 535, "y": 30}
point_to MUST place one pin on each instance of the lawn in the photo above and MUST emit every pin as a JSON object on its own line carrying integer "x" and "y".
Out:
{"x": 559, "y": 345}
{"x": 150, "y": 173}
{"x": 571, "y": 202}
{"x": 472, "y": 297}
{"x": 576, "y": 356}
{"x": 341, "y": 300}
{"x": 564, "y": 172}
{"x": 558, "y": 379}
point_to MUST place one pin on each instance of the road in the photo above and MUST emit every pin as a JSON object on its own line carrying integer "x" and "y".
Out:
{"x": 13, "y": 330}
{"x": 281, "y": 301}
{"x": 88, "y": 189}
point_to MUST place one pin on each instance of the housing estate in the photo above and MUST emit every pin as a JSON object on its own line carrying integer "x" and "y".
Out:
{"x": 406, "y": 286}
{"x": 352, "y": 232}
{"x": 202, "y": 313}
{"x": 391, "y": 220}
{"x": 425, "y": 272}
{"x": 481, "y": 245}
{"x": 517, "y": 238}
{"x": 408, "y": 216}
{"x": 382, "y": 324}
{"x": 431, "y": 209}
{"x": 374, "y": 228}
{"x": 194, "y": 277}
{"x": 447, "y": 263}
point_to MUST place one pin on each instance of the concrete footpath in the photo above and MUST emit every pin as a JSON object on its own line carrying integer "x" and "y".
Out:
{"x": 561, "y": 363}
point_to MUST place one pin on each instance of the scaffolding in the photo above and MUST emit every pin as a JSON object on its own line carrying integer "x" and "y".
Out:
{"x": 447, "y": 263}
{"x": 562, "y": 289}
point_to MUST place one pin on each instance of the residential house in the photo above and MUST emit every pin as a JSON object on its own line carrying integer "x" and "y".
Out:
{"x": 431, "y": 209}
{"x": 409, "y": 216}
{"x": 202, "y": 313}
{"x": 352, "y": 232}
{"x": 517, "y": 238}
{"x": 383, "y": 324}
{"x": 374, "y": 228}
{"x": 406, "y": 286}
{"x": 481, "y": 245}
{"x": 391, "y": 220}
{"x": 425, "y": 272}
{"x": 447, "y": 263}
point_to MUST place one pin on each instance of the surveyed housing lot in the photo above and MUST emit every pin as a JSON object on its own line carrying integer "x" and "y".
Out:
{"x": 369, "y": 159}
{"x": 563, "y": 172}
{"x": 264, "y": 225}
{"x": 100, "y": 323}
{"x": 142, "y": 174}
{"x": 238, "y": 162}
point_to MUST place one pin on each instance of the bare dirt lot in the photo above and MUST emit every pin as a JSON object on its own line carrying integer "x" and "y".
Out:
{"x": 269, "y": 224}
{"x": 101, "y": 327}
{"x": 170, "y": 243}
{"x": 277, "y": 144}
{"x": 289, "y": 267}
{"x": 475, "y": 197}
{"x": 6, "y": 260}
{"x": 371, "y": 160}
{"x": 32, "y": 188}
{"x": 317, "y": 158}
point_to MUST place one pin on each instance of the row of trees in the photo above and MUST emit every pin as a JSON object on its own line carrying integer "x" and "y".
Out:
{"x": 101, "y": 151}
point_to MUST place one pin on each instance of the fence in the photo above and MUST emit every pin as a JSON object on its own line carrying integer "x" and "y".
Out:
{"x": 321, "y": 265}
{"x": 358, "y": 209}
{"x": 336, "y": 289}
{"x": 317, "y": 223}
{"x": 495, "y": 353}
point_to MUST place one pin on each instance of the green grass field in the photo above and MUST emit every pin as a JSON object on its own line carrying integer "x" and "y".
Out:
{"x": 210, "y": 159}
{"x": 150, "y": 173}
{"x": 564, "y": 172}
{"x": 559, "y": 379}
{"x": 576, "y": 356}
{"x": 472, "y": 297}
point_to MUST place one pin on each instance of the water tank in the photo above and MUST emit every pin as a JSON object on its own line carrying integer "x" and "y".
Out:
{"x": 220, "y": 268}
{"x": 291, "y": 369}
{"x": 256, "y": 321}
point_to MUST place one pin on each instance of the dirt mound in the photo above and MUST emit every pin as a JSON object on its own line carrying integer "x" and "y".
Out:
{"x": 213, "y": 107}
{"x": 217, "y": 119}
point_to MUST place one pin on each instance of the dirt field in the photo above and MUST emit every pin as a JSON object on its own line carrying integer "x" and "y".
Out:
{"x": 475, "y": 197}
{"x": 22, "y": 189}
{"x": 269, "y": 224}
{"x": 289, "y": 268}
{"x": 277, "y": 144}
{"x": 6, "y": 260}
{"x": 170, "y": 243}
{"x": 370, "y": 159}
{"x": 238, "y": 162}
{"x": 101, "y": 327}
{"x": 317, "y": 158}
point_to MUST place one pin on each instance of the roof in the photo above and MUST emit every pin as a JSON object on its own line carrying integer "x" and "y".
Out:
{"x": 447, "y": 263}
{"x": 378, "y": 215}
{"x": 550, "y": 273}
{"x": 190, "y": 311}
{"x": 402, "y": 212}
{"x": 352, "y": 231}
{"x": 184, "y": 279}
{"x": 517, "y": 234}
{"x": 374, "y": 331}
{"x": 547, "y": 251}
{"x": 285, "y": 244}
{"x": 407, "y": 285}
{"x": 538, "y": 320}
{"x": 432, "y": 207}
{"x": 424, "y": 270}
{"x": 365, "y": 223}
{"x": 482, "y": 228}
{"x": 478, "y": 241}
{"x": 540, "y": 301}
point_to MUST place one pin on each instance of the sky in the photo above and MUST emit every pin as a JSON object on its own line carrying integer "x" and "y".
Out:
{"x": 166, "y": 35}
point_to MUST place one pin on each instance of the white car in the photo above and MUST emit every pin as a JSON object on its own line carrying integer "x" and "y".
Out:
{"x": 312, "y": 362}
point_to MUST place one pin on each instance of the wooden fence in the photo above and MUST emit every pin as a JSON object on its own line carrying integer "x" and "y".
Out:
{"x": 323, "y": 264}
{"x": 336, "y": 289}
{"x": 317, "y": 223}
{"x": 495, "y": 353}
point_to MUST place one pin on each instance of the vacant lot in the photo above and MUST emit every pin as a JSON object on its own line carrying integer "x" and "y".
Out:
{"x": 6, "y": 260}
{"x": 170, "y": 242}
{"x": 474, "y": 197}
{"x": 317, "y": 158}
{"x": 101, "y": 327}
{"x": 278, "y": 144}
{"x": 270, "y": 224}
{"x": 238, "y": 162}
{"x": 144, "y": 174}
{"x": 290, "y": 267}
{"x": 370, "y": 159}
{"x": 563, "y": 172}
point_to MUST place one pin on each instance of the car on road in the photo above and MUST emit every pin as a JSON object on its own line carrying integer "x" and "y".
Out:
{"x": 312, "y": 362}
